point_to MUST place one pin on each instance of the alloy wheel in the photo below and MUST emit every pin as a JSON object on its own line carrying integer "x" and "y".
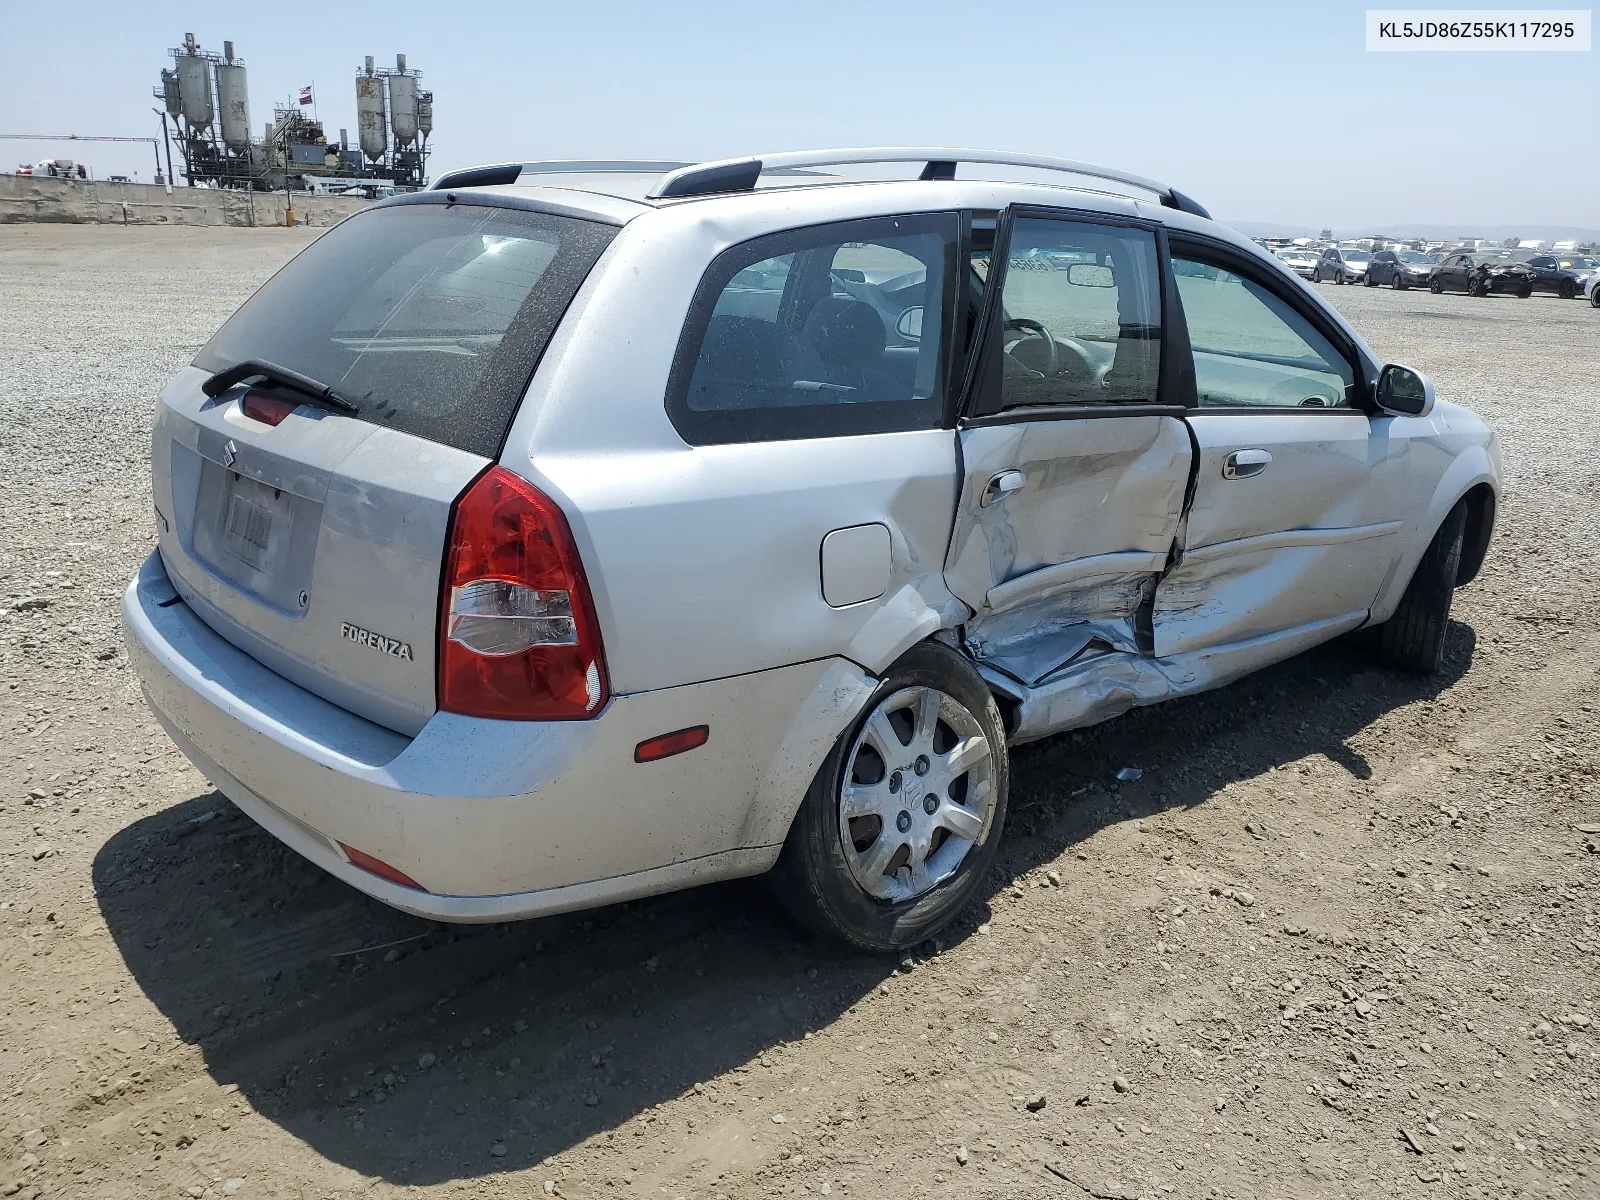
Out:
{"x": 917, "y": 793}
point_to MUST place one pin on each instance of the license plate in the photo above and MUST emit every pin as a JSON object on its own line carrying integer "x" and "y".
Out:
{"x": 252, "y": 516}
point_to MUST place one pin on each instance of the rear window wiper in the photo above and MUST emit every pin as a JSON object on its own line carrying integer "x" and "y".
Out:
{"x": 255, "y": 368}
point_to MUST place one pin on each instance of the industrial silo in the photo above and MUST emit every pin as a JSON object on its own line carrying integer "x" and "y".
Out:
{"x": 370, "y": 117}
{"x": 170, "y": 96}
{"x": 402, "y": 103}
{"x": 233, "y": 102}
{"x": 425, "y": 113}
{"x": 194, "y": 84}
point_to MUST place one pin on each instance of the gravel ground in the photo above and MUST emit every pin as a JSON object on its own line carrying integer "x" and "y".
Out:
{"x": 1339, "y": 940}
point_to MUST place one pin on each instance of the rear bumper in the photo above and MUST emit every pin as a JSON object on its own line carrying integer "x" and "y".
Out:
{"x": 495, "y": 819}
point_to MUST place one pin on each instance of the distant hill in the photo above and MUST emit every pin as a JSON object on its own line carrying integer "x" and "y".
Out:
{"x": 1406, "y": 229}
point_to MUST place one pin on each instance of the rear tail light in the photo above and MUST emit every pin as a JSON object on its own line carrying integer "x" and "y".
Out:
{"x": 518, "y": 637}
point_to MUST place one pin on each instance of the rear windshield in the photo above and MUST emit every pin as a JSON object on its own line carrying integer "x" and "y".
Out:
{"x": 431, "y": 319}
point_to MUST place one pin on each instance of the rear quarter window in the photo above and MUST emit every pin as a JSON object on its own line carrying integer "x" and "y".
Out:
{"x": 431, "y": 318}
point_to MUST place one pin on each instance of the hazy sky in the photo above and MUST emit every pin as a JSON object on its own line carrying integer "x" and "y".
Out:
{"x": 1260, "y": 111}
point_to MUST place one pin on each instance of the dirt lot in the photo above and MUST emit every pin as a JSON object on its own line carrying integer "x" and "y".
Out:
{"x": 1339, "y": 940}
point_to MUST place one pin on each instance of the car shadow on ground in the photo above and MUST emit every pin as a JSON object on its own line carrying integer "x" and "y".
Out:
{"x": 417, "y": 1052}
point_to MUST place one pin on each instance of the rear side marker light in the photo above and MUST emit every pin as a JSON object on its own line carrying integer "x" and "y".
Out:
{"x": 376, "y": 866}
{"x": 270, "y": 410}
{"x": 669, "y": 744}
{"x": 519, "y": 639}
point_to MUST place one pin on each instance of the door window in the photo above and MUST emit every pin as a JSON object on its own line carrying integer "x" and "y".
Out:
{"x": 1252, "y": 348}
{"x": 1081, "y": 316}
{"x": 832, "y": 330}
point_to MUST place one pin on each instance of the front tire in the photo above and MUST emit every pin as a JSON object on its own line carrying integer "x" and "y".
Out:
{"x": 1398, "y": 281}
{"x": 1567, "y": 290}
{"x": 1436, "y": 285}
{"x": 901, "y": 823}
{"x": 1594, "y": 295}
{"x": 1413, "y": 638}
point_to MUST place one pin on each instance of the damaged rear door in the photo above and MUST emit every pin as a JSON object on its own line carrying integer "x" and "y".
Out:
{"x": 1299, "y": 490}
{"x": 1074, "y": 450}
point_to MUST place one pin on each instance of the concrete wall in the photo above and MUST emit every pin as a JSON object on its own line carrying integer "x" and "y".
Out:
{"x": 40, "y": 198}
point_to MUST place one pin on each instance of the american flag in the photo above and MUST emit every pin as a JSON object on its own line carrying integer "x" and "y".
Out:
{"x": 305, "y": 95}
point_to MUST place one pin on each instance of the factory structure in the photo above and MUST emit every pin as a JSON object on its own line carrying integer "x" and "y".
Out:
{"x": 205, "y": 96}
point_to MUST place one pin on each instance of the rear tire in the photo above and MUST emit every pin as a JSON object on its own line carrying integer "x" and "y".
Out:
{"x": 826, "y": 891}
{"x": 1413, "y": 638}
{"x": 1594, "y": 295}
{"x": 1525, "y": 291}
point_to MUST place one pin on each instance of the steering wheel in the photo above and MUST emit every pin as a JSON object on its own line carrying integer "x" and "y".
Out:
{"x": 1029, "y": 325}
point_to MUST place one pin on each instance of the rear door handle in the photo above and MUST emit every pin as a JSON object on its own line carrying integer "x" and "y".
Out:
{"x": 1242, "y": 464}
{"x": 1001, "y": 486}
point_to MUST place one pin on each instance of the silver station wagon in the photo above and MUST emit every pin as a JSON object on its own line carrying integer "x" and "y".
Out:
{"x": 577, "y": 531}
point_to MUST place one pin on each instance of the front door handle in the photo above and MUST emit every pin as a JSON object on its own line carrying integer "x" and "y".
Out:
{"x": 1242, "y": 464}
{"x": 1001, "y": 486}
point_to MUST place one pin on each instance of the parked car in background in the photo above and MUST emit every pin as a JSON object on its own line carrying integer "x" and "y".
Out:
{"x": 61, "y": 168}
{"x": 559, "y": 536}
{"x": 1341, "y": 266}
{"x": 1400, "y": 269}
{"x": 1482, "y": 274}
{"x": 1301, "y": 262}
{"x": 1591, "y": 289}
{"x": 369, "y": 191}
{"x": 1566, "y": 276}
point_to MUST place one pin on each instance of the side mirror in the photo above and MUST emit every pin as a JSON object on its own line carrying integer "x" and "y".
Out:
{"x": 909, "y": 324}
{"x": 1404, "y": 392}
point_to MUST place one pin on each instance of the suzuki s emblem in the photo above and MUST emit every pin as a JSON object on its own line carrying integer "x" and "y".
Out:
{"x": 229, "y": 453}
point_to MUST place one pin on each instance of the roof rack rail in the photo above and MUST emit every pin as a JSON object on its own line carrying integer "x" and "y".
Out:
{"x": 504, "y": 173}
{"x": 741, "y": 174}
